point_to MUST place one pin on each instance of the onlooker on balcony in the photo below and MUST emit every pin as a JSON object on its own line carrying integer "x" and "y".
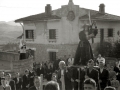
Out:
{"x": 23, "y": 52}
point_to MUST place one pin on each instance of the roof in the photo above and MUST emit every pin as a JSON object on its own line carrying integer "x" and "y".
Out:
{"x": 100, "y": 16}
{"x": 95, "y": 15}
{"x": 38, "y": 17}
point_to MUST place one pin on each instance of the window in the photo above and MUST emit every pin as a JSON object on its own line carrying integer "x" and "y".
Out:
{"x": 101, "y": 35}
{"x": 52, "y": 56}
{"x": 52, "y": 33}
{"x": 110, "y": 32}
{"x": 29, "y": 34}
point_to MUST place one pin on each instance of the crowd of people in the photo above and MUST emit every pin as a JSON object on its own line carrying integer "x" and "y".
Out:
{"x": 65, "y": 76}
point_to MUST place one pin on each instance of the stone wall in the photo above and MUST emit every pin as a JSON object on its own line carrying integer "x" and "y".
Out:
{"x": 42, "y": 53}
{"x": 22, "y": 65}
{"x": 8, "y": 56}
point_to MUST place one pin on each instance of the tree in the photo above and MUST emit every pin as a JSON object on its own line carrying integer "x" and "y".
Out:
{"x": 117, "y": 50}
{"x": 105, "y": 49}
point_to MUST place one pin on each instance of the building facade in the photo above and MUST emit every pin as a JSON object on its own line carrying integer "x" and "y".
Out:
{"x": 55, "y": 33}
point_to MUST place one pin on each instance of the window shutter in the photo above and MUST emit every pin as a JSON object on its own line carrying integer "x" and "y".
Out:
{"x": 26, "y": 34}
{"x": 56, "y": 33}
{"x": 32, "y": 32}
{"x": 47, "y": 34}
{"x": 110, "y": 32}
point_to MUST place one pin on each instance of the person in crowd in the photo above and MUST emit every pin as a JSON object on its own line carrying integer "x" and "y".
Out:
{"x": 103, "y": 75}
{"x": 64, "y": 76}
{"x": 70, "y": 60}
{"x": 10, "y": 82}
{"x": 117, "y": 70}
{"x": 99, "y": 59}
{"x": 2, "y": 75}
{"x": 115, "y": 83}
{"x": 49, "y": 73}
{"x": 78, "y": 77}
{"x": 111, "y": 73}
{"x": 3, "y": 85}
{"x": 31, "y": 76}
{"x": 45, "y": 68}
{"x": 26, "y": 80}
{"x": 40, "y": 70}
{"x": 109, "y": 88}
{"x": 52, "y": 85}
{"x": 37, "y": 84}
{"x": 56, "y": 64}
{"x": 89, "y": 84}
{"x": 54, "y": 77}
{"x": 91, "y": 72}
{"x": 18, "y": 81}
{"x": 23, "y": 52}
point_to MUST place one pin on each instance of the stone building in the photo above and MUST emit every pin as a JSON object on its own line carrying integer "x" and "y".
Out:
{"x": 54, "y": 33}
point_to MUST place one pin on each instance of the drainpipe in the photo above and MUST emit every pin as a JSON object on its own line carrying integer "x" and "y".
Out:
{"x": 23, "y": 31}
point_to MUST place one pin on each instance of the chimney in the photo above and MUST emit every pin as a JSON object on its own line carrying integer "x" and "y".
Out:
{"x": 48, "y": 9}
{"x": 102, "y": 8}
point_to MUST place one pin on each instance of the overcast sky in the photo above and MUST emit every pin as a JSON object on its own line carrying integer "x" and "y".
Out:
{"x": 15, "y": 9}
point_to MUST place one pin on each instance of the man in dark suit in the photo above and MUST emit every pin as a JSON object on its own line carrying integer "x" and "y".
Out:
{"x": 64, "y": 76}
{"x": 31, "y": 74}
{"x": 18, "y": 81}
{"x": 25, "y": 84}
{"x": 40, "y": 70}
{"x": 78, "y": 77}
{"x": 103, "y": 75}
{"x": 37, "y": 83}
{"x": 91, "y": 72}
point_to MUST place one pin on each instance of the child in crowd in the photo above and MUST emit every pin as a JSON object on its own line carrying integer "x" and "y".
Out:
{"x": 54, "y": 78}
{"x": 109, "y": 88}
{"x": 115, "y": 83}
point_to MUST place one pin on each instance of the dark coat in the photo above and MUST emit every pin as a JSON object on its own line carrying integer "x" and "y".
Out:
{"x": 84, "y": 51}
{"x": 49, "y": 74}
{"x": 32, "y": 88}
{"x": 94, "y": 74}
{"x": 18, "y": 83}
{"x": 31, "y": 75}
{"x": 78, "y": 75}
{"x": 26, "y": 81}
{"x": 67, "y": 77}
{"x": 12, "y": 85}
{"x": 104, "y": 77}
{"x": 40, "y": 71}
{"x": 116, "y": 69}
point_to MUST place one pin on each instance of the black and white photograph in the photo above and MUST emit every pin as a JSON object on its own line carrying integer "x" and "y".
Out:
{"x": 59, "y": 45}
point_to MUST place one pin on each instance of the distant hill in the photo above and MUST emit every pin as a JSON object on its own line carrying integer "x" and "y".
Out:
{"x": 9, "y": 31}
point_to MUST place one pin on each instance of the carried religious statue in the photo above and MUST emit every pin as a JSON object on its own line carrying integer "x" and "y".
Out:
{"x": 84, "y": 50}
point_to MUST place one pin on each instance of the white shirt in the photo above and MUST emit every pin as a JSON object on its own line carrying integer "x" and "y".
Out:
{"x": 62, "y": 72}
{"x": 101, "y": 70}
{"x": 71, "y": 61}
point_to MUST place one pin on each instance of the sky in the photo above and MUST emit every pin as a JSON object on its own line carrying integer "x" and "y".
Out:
{"x": 11, "y": 10}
